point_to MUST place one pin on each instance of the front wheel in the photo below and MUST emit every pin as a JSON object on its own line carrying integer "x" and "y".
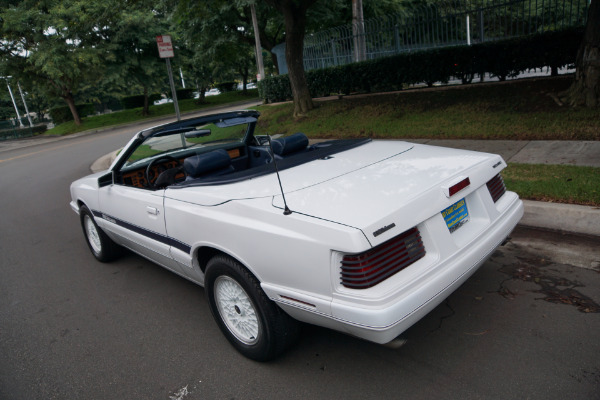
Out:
{"x": 101, "y": 246}
{"x": 251, "y": 322}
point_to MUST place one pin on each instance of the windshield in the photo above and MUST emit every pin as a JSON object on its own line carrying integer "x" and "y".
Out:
{"x": 198, "y": 136}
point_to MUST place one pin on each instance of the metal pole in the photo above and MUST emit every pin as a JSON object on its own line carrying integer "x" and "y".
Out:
{"x": 15, "y": 105}
{"x": 358, "y": 28}
{"x": 259, "y": 59}
{"x": 468, "y": 32}
{"x": 173, "y": 92}
{"x": 181, "y": 75}
{"x": 25, "y": 104}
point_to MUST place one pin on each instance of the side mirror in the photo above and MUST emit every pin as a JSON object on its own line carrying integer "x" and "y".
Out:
{"x": 106, "y": 179}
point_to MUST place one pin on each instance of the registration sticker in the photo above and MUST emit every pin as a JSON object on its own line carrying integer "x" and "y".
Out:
{"x": 456, "y": 215}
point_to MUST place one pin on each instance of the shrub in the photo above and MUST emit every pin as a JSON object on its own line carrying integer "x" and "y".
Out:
{"x": 226, "y": 86}
{"x": 503, "y": 59}
{"x": 184, "y": 94}
{"x": 63, "y": 114}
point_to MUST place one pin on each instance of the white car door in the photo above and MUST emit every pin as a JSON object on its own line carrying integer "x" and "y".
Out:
{"x": 134, "y": 217}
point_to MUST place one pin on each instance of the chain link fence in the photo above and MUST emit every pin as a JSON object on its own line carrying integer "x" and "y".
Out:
{"x": 446, "y": 23}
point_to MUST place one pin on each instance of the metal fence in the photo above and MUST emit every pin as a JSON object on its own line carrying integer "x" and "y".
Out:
{"x": 12, "y": 129}
{"x": 446, "y": 23}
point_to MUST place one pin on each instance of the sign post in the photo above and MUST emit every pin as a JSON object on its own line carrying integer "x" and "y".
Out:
{"x": 165, "y": 50}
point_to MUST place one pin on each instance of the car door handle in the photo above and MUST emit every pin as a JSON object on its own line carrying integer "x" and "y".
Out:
{"x": 152, "y": 210}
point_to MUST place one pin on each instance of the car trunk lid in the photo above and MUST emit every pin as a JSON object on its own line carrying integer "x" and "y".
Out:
{"x": 387, "y": 194}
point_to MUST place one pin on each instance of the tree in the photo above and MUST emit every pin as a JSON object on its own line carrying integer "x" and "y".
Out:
{"x": 585, "y": 90}
{"x": 133, "y": 34}
{"x": 55, "y": 45}
{"x": 214, "y": 21}
{"x": 294, "y": 15}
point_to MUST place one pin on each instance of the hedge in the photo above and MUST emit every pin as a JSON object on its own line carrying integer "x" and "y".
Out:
{"x": 226, "y": 86}
{"x": 184, "y": 94}
{"x": 503, "y": 59}
{"x": 137, "y": 101}
{"x": 63, "y": 114}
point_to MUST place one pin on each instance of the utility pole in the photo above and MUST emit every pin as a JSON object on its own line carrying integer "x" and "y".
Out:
{"x": 14, "y": 104}
{"x": 259, "y": 60}
{"x": 358, "y": 31}
{"x": 25, "y": 104}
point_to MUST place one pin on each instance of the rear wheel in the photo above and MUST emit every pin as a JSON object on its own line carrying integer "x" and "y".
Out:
{"x": 101, "y": 246}
{"x": 251, "y": 322}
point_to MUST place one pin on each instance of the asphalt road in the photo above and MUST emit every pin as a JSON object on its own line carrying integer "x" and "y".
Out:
{"x": 523, "y": 327}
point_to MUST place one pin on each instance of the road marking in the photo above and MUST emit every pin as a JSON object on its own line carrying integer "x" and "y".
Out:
{"x": 44, "y": 150}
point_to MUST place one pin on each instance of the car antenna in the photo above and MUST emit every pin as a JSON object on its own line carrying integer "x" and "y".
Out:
{"x": 286, "y": 210}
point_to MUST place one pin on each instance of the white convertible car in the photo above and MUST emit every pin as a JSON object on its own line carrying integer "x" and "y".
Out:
{"x": 364, "y": 237}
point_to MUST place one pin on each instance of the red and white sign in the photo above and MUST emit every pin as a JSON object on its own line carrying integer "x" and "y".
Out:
{"x": 165, "y": 46}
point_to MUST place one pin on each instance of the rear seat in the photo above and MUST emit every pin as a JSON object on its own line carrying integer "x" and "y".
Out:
{"x": 289, "y": 145}
{"x": 282, "y": 147}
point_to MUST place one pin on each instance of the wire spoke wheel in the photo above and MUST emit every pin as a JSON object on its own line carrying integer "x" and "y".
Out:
{"x": 92, "y": 234}
{"x": 250, "y": 321}
{"x": 101, "y": 246}
{"x": 236, "y": 310}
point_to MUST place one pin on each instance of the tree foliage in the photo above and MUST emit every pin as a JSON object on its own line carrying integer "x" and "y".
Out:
{"x": 54, "y": 46}
{"x": 133, "y": 34}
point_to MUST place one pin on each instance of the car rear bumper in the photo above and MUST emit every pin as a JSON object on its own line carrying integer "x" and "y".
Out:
{"x": 382, "y": 321}
{"x": 381, "y": 324}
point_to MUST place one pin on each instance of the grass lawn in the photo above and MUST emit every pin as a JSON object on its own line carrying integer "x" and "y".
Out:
{"x": 555, "y": 183}
{"x": 514, "y": 110}
{"x": 126, "y": 116}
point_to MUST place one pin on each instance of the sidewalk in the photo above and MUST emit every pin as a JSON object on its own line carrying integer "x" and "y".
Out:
{"x": 554, "y": 216}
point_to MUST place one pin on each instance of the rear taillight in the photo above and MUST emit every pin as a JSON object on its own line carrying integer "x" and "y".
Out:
{"x": 496, "y": 187}
{"x": 365, "y": 270}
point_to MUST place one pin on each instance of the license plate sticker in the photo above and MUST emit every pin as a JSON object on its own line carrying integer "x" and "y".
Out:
{"x": 456, "y": 215}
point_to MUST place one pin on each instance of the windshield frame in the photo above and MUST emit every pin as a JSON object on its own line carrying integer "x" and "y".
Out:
{"x": 248, "y": 117}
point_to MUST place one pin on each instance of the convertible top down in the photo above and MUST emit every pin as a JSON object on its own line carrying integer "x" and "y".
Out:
{"x": 361, "y": 236}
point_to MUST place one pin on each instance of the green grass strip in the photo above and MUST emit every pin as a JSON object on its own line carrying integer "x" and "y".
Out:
{"x": 515, "y": 110}
{"x": 554, "y": 183}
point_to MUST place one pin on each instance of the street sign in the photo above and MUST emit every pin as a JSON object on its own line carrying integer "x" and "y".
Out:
{"x": 165, "y": 50}
{"x": 165, "y": 46}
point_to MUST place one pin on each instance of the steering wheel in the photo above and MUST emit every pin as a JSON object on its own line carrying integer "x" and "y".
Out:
{"x": 154, "y": 162}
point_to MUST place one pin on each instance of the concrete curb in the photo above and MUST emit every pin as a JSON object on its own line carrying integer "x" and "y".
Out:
{"x": 570, "y": 218}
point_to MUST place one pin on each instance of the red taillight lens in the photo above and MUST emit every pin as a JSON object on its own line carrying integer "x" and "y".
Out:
{"x": 365, "y": 270}
{"x": 496, "y": 187}
{"x": 459, "y": 186}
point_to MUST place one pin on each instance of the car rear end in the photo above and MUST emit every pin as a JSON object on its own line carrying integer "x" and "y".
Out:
{"x": 431, "y": 215}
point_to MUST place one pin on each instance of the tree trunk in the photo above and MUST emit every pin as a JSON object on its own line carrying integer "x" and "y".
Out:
{"x": 201, "y": 93}
{"x": 585, "y": 91}
{"x": 71, "y": 103}
{"x": 146, "y": 109}
{"x": 294, "y": 14}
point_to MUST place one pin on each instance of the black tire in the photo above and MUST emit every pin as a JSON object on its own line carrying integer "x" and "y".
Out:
{"x": 263, "y": 331}
{"x": 101, "y": 246}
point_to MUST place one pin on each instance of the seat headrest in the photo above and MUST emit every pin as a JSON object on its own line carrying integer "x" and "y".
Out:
{"x": 290, "y": 144}
{"x": 201, "y": 164}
